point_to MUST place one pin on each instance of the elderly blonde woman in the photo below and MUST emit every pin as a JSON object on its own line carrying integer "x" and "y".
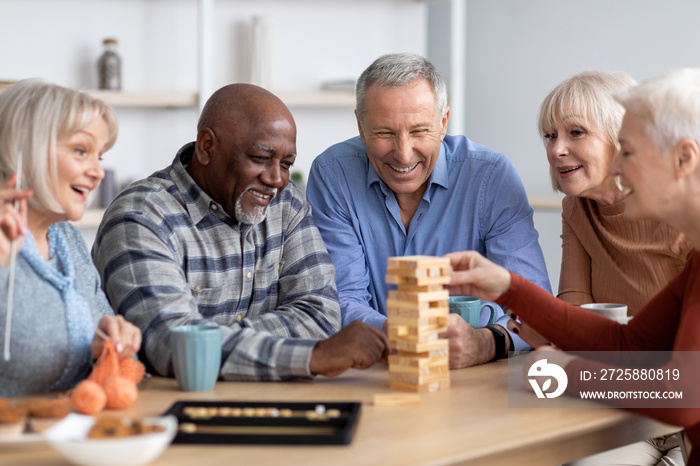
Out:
{"x": 659, "y": 172}
{"x": 606, "y": 257}
{"x": 61, "y": 135}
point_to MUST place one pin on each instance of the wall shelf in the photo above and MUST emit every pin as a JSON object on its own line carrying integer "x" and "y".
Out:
{"x": 340, "y": 99}
{"x": 185, "y": 99}
{"x": 167, "y": 99}
{"x": 141, "y": 99}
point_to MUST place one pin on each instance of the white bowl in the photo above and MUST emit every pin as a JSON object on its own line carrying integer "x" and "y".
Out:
{"x": 69, "y": 438}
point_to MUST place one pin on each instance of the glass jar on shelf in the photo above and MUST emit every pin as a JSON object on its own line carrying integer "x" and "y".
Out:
{"x": 109, "y": 66}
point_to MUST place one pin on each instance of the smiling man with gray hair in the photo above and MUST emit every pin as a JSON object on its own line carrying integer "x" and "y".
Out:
{"x": 405, "y": 187}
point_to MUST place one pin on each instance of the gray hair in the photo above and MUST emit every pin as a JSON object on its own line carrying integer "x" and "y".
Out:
{"x": 591, "y": 96}
{"x": 668, "y": 105}
{"x": 399, "y": 69}
{"x": 34, "y": 116}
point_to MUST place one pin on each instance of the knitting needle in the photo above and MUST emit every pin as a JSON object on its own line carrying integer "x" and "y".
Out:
{"x": 11, "y": 279}
{"x": 105, "y": 337}
{"x": 102, "y": 334}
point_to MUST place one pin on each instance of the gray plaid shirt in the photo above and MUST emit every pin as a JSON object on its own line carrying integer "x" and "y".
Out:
{"x": 169, "y": 255}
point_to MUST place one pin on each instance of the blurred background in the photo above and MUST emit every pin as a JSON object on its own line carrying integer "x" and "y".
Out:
{"x": 510, "y": 54}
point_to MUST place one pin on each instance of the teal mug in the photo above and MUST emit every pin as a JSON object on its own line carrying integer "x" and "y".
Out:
{"x": 196, "y": 355}
{"x": 470, "y": 309}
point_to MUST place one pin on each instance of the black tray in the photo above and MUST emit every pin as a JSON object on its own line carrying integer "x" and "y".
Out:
{"x": 273, "y": 423}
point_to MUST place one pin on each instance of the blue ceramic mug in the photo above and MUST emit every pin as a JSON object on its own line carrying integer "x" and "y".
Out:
{"x": 470, "y": 309}
{"x": 196, "y": 355}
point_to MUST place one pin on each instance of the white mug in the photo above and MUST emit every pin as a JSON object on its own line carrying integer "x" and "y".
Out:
{"x": 614, "y": 311}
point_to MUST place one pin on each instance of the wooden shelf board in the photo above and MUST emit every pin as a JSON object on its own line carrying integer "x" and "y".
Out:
{"x": 185, "y": 99}
{"x": 340, "y": 99}
{"x": 147, "y": 99}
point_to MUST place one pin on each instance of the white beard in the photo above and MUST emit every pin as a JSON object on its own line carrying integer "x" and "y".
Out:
{"x": 258, "y": 213}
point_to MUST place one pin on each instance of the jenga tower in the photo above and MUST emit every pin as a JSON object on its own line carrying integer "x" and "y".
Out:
{"x": 418, "y": 312}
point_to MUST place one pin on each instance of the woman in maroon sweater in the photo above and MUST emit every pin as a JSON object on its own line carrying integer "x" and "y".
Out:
{"x": 658, "y": 168}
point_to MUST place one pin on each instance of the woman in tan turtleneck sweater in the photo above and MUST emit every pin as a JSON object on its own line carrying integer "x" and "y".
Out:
{"x": 606, "y": 257}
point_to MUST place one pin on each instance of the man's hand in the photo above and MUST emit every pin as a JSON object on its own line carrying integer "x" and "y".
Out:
{"x": 358, "y": 345}
{"x": 468, "y": 346}
{"x": 524, "y": 331}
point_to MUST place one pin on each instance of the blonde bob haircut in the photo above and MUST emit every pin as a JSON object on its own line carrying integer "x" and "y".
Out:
{"x": 668, "y": 105}
{"x": 589, "y": 97}
{"x": 34, "y": 116}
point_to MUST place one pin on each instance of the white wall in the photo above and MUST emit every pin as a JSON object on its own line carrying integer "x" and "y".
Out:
{"x": 517, "y": 51}
{"x": 313, "y": 40}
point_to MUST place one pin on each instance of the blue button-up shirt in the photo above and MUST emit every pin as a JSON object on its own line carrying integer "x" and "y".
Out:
{"x": 474, "y": 200}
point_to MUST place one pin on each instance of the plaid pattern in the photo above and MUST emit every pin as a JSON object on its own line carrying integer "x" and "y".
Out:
{"x": 169, "y": 255}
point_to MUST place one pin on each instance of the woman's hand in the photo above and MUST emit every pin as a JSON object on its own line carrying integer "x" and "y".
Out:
{"x": 473, "y": 274}
{"x": 524, "y": 331}
{"x": 13, "y": 223}
{"x": 126, "y": 337}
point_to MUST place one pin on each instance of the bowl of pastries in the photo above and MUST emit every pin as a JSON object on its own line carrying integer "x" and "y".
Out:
{"x": 111, "y": 441}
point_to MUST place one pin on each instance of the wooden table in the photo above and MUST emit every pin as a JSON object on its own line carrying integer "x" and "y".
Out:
{"x": 470, "y": 423}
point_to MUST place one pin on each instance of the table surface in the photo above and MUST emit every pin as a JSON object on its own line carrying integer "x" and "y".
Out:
{"x": 470, "y": 423}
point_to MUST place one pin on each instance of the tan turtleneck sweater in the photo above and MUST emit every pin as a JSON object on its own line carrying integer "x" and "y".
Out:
{"x": 607, "y": 258}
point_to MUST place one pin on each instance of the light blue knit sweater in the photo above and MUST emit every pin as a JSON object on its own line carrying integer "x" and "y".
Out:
{"x": 39, "y": 344}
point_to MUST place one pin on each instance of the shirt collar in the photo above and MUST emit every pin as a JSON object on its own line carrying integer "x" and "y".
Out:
{"x": 439, "y": 176}
{"x": 197, "y": 203}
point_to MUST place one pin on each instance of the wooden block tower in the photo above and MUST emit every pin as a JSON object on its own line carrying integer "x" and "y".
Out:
{"x": 417, "y": 312}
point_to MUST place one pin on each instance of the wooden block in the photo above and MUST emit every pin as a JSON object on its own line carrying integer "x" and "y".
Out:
{"x": 395, "y": 399}
{"x": 418, "y": 261}
{"x": 439, "y": 320}
{"x": 431, "y": 387}
{"x": 417, "y": 305}
{"x": 417, "y": 362}
{"x": 417, "y": 281}
{"x": 436, "y": 353}
{"x": 437, "y": 271}
{"x": 414, "y": 326}
{"x": 420, "y": 288}
{"x": 419, "y": 272}
{"x": 412, "y": 305}
{"x": 409, "y": 273}
{"x": 428, "y": 371}
{"x": 398, "y": 336}
{"x": 415, "y": 296}
{"x": 410, "y": 333}
{"x": 418, "y": 313}
{"x": 414, "y": 347}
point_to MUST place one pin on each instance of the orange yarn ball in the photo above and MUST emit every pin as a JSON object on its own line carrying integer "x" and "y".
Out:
{"x": 121, "y": 392}
{"x": 89, "y": 397}
{"x": 132, "y": 369}
{"x": 107, "y": 364}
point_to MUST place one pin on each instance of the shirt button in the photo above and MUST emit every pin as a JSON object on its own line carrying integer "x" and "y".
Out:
{"x": 249, "y": 274}
{"x": 214, "y": 207}
{"x": 197, "y": 288}
{"x": 238, "y": 318}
